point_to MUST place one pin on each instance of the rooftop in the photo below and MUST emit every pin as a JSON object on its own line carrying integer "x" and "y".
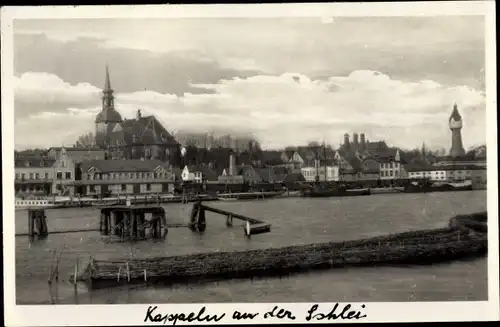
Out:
{"x": 106, "y": 166}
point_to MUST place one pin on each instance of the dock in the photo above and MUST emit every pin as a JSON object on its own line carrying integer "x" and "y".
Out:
{"x": 133, "y": 222}
{"x": 198, "y": 219}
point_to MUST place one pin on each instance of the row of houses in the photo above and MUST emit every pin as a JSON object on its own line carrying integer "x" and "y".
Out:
{"x": 84, "y": 171}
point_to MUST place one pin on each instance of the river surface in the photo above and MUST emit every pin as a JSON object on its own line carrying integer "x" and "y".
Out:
{"x": 294, "y": 221}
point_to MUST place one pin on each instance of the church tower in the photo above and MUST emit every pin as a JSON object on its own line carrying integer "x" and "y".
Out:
{"x": 455, "y": 124}
{"x": 108, "y": 118}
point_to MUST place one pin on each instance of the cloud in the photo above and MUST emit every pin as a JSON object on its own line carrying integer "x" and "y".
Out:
{"x": 280, "y": 110}
{"x": 162, "y": 54}
{"x": 84, "y": 59}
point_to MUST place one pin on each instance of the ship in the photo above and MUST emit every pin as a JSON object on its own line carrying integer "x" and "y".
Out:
{"x": 326, "y": 189}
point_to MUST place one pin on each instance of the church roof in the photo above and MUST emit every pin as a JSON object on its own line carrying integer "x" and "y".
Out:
{"x": 148, "y": 131}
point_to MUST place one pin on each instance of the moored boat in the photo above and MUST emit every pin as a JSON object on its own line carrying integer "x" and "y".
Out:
{"x": 247, "y": 195}
{"x": 323, "y": 190}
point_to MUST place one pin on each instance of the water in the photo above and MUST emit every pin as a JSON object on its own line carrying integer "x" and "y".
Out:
{"x": 294, "y": 221}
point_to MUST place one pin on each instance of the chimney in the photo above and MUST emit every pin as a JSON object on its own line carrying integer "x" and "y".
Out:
{"x": 362, "y": 136}
{"x": 232, "y": 164}
{"x": 138, "y": 116}
{"x": 355, "y": 139}
{"x": 346, "y": 139}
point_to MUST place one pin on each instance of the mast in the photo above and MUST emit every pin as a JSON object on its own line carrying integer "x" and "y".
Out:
{"x": 326, "y": 164}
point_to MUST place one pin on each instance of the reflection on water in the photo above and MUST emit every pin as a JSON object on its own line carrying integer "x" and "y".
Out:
{"x": 294, "y": 221}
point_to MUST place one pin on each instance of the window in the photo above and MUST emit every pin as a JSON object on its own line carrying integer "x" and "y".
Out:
{"x": 391, "y": 173}
{"x": 59, "y": 175}
{"x": 36, "y": 175}
{"x": 92, "y": 188}
{"x": 155, "y": 175}
{"x": 23, "y": 176}
{"x": 124, "y": 187}
{"x": 68, "y": 175}
{"x": 63, "y": 163}
{"x": 148, "y": 187}
{"x": 18, "y": 175}
{"x": 46, "y": 175}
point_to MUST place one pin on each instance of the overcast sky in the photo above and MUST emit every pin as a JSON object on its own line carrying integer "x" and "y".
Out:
{"x": 289, "y": 81}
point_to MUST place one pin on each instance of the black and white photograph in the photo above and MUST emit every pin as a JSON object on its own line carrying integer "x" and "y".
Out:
{"x": 203, "y": 155}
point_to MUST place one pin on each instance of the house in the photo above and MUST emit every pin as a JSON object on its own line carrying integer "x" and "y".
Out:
{"x": 125, "y": 177}
{"x": 45, "y": 176}
{"x": 64, "y": 174}
{"x": 321, "y": 171}
{"x": 438, "y": 173}
{"x": 33, "y": 176}
{"x": 197, "y": 174}
{"x": 287, "y": 155}
{"x": 77, "y": 154}
{"x": 391, "y": 165}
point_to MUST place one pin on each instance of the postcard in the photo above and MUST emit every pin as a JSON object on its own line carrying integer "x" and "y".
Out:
{"x": 249, "y": 164}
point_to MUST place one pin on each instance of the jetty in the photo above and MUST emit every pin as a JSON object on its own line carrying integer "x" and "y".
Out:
{"x": 133, "y": 222}
{"x": 198, "y": 220}
{"x": 465, "y": 236}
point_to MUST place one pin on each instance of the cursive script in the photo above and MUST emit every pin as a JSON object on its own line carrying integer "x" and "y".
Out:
{"x": 174, "y": 317}
{"x": 336, "y": 313}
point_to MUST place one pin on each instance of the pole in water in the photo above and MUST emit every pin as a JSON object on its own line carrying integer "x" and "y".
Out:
{"x": 76, "y": 272}
{"x": 247, "y": 228}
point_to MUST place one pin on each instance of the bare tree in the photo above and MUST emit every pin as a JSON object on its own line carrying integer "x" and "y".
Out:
{"x": 86, "y": 140}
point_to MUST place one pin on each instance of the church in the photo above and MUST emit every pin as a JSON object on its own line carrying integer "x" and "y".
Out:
{"x": 142, "y": 137}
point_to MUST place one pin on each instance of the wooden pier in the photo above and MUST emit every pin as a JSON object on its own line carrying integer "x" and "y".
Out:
{"x": 198, "y": 220}
{"x": 131, "y": 223}
{"x": 37, "y": 223}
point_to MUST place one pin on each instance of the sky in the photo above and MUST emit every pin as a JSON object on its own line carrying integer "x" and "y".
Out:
{"x": 288, "y": 81}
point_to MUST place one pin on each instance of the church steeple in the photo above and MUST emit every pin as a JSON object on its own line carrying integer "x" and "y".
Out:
{"x": 107, "y": 83}
{"x": 108, "y": 113}
{"x": 108, "y": 100}
{"x": 108, "y": 118}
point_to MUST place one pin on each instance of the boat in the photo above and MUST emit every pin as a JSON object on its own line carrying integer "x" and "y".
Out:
{"x": 427, "y": 186}
{"x": 248, "y": 195}
{"x": 22, "y": 204}
{"x": 327, "y": 190}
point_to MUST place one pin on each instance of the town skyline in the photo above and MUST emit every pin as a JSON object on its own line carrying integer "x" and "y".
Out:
{"x": 58, "y": 92}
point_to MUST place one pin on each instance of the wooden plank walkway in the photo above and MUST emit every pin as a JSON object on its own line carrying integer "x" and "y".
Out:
{"x": 232, "y": 214}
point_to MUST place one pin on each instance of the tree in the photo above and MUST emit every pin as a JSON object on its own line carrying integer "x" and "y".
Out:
{"x": 313, "y": 144}
{"x": 86, "y": 140}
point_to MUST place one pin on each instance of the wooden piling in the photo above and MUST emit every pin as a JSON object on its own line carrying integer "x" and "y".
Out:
{"x": 43, "y": 224}
{"x": 128, "y": 272}
{"x": 76, "y": 272}
{"x": 31, "y": 223}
